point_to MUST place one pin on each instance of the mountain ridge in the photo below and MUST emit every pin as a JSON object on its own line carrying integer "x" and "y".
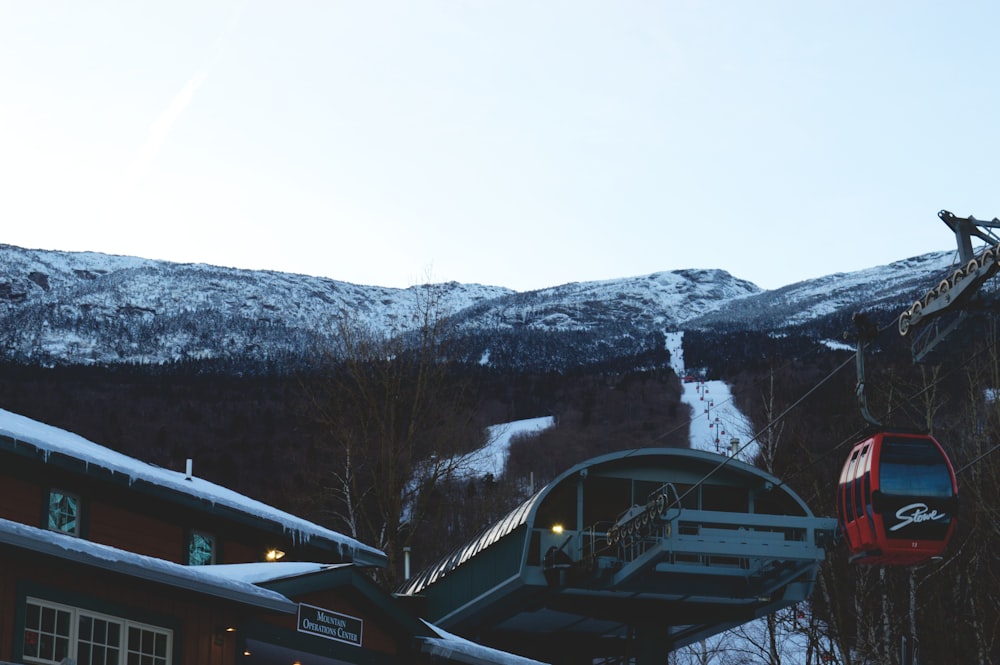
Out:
{"x": 90, "y": 308}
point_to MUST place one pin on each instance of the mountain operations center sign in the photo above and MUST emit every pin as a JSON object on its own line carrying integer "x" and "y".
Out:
{"x": 329, "y": 624}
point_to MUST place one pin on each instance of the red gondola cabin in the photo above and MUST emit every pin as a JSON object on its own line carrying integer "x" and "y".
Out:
{"x": 897, "y": 500}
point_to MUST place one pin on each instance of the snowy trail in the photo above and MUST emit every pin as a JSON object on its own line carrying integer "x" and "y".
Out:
{"x": 715, "y": 420}
{"x": 491, "y": 458}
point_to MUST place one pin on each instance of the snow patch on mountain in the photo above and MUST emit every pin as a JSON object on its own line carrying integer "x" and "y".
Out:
{"x": 715, "y": 423}
{"x": 656, "y": 300}
{"x": 491, "y": 459}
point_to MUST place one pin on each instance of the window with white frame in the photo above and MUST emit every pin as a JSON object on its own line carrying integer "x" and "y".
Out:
{"x": 54, "y": 633}
{"x": 201, "y": 549}
{"x": 63, "y": 512}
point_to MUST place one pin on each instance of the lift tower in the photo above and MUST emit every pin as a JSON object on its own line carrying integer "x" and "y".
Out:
{"x": 956, "y": 292}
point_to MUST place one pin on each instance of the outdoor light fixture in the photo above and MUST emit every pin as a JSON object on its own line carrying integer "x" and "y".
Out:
{"x": 557, "y": 529}
{"x": 273, "y": 554}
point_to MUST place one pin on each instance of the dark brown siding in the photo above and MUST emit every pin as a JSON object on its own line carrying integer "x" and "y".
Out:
{"x": 233, "y": 552}
{"x": 20, "y": 501}
{"x": 7, "y": 583}
{"x": 127, "y": 530}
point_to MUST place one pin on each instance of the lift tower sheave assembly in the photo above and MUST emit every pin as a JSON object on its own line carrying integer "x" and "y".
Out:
{"x": 957, "y": 291}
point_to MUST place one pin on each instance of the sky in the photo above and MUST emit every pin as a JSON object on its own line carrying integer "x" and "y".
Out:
{"x": 512, "y": 143}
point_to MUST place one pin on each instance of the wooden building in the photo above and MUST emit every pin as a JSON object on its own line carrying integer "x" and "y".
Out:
{"x": 107, "y": 560}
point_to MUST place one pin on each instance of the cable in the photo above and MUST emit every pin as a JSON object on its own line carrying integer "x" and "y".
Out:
{"x": 771, "y": 424}
{"x": 978, "y": 458}
{"x": 855, "y": 437}
{"x": 867, "y": 334}
{"x": 733, "y": 395}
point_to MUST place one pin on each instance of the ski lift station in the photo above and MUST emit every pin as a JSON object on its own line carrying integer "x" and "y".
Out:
{"x": 630, "y": 555}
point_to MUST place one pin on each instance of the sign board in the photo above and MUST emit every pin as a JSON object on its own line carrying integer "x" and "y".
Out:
{"x": 329, "y": 624}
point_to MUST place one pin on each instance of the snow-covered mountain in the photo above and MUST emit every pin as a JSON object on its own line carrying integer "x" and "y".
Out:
{"x": 883, "y": 287}
{"x": 85, "y": 307}
{"x": 90, "y": 308}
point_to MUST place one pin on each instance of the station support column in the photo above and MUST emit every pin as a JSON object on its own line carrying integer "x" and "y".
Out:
{"x": 652, "y": 643}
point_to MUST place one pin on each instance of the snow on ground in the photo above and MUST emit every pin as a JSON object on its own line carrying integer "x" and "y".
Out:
{"x": 837, "y": 345}
{"x": 715, "y": 420}
{"x": 491, "y": 458}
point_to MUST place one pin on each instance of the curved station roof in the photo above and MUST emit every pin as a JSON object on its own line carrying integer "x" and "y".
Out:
{"x": 631, "y": 553}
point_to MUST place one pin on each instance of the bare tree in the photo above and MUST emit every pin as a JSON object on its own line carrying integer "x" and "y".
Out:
{"x": 398, "y": 415}
{"x": 771, "y": 435}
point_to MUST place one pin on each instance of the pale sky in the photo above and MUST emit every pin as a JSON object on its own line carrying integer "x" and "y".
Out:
{"x": 513, "y": 143}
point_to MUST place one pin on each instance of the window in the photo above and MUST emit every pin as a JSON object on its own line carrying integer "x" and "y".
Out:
{"x": 53, "y": 633}
{"x": 64, "y": 512}
{"x": 147, "y": 645}
{"x": 201, "y": 549}
{"x": 98, "y": 641}
{"x": 46, "y": 633}
{"x": 914, "y": 468}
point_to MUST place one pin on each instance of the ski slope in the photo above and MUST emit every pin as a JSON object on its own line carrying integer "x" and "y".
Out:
{"x": 716, "y": 423}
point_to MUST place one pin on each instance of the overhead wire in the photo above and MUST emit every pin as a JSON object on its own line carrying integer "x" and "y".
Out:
{"x": 678, "y": 499}
{"x": 859, "y": 433}
{"x": 852, "y": 438}
{"x": 776, "y": 420}
{"x": 788, "y": 362}
{"x": 755, "y": 437}
{"x": 771, "y": 424}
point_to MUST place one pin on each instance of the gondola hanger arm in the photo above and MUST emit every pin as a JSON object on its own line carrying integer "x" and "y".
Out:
{"x": 866, "y": 333}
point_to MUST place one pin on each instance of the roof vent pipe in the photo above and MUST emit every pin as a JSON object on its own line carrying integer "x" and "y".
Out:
{"x": 188, "y": 468}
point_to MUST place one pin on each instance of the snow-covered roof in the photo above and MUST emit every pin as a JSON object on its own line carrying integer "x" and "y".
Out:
{"x": 48, "y": 440}
{"x": 267, "y": 571}
{"x": 192, "y": 578}
{"x": 462, "y": 650}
